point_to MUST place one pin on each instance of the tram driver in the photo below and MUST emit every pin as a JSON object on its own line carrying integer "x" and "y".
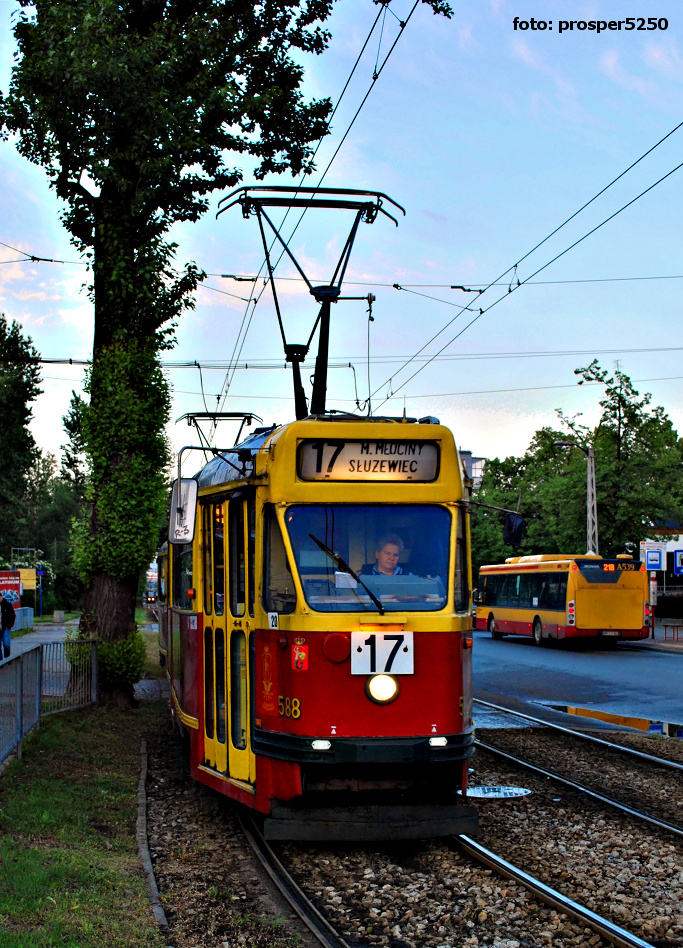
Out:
{"x": 389, "y": 550}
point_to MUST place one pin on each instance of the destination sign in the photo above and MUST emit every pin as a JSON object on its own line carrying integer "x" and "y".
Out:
{"x": 392, "y": 460}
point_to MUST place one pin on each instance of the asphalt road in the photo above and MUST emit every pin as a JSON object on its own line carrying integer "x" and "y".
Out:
{"x": 629, "y": 681}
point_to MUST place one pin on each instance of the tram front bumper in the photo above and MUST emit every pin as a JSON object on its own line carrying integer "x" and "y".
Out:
{"x": 362, "y": 750}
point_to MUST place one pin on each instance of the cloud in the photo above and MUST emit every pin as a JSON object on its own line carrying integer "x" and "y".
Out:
{"x": 564, "y": 99}
{"x": 665, "y": 60}
{"x": 611, "y": 67}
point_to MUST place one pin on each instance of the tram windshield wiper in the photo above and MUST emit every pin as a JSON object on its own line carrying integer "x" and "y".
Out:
{"x": 345, "y": 568}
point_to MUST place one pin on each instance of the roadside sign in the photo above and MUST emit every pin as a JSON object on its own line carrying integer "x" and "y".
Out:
{"x": 678, "y": 562}
{"x": 653, "y": 554}
{"x": 653, "y": 560}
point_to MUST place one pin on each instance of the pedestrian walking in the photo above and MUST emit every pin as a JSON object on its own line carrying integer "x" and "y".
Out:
{"x": 7, "y": 619}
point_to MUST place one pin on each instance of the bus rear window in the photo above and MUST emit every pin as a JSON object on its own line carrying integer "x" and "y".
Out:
{"x": 606, "y": 571}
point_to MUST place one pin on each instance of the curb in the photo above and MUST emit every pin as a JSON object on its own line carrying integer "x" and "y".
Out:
{"x": 143, "y": 845}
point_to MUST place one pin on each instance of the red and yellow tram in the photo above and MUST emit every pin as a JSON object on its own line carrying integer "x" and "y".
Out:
{"x": 317, "y": 629}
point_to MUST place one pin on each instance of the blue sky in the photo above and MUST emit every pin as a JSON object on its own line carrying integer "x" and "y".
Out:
{"x": 490, "y": 137}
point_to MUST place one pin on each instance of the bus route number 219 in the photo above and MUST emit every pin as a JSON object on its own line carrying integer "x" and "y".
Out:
{"x": 388, "y": 653}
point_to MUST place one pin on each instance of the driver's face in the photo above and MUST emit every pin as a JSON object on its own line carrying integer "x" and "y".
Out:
{"x": 387, "y": 558}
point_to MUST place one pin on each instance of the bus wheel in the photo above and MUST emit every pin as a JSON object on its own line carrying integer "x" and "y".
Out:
{"x": 538, "y": 633}
{"x": 495, "y": 634}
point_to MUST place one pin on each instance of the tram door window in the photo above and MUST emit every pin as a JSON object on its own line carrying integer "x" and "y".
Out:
{"x": 236, "y": 567}
{"x": 238, "y": 706}
{"x": 220, "y": 686}
{"x": 251, "y": 552}
{"x": 215, "y": 705}
{"x": 218, "y": 560}
{"x": 208, "y": 683}
{"x": 208, "y": 573}
{"x": 241, "y": 593}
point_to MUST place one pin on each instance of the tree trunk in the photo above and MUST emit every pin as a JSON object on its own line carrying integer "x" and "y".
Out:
{"x": 108, "y": 607}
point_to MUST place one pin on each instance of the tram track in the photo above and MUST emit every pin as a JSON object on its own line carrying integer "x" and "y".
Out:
{"x": 604, "y": 927}
{"x": 644, "y": 786}
{"x": 325, "y": 933}
{"x": 418, "y": 895}
{"x": 330, "y": 938}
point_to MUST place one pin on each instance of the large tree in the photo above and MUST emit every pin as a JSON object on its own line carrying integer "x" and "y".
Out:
{"x": 19, "y": 386}
{"x": 131, "y": 107}
{"x": 639, "y": 478}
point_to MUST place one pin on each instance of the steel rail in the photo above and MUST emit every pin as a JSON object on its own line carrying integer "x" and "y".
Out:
{"x": 304, "y": 908}
{"x": 660, "y": 761}
{"x": 660, "y": 824}
{"x": 616, "y": 935}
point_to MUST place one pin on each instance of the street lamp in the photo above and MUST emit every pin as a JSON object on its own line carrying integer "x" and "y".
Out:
{"x": 591, "y": 500}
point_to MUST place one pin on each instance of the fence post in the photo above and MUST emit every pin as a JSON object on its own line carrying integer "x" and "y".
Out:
{"x": 19, "y": 707}
{"x": 40, "y": 683}
{"x": 94, "y": 692}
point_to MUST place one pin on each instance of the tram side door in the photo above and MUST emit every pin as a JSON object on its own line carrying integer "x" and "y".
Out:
{"x": 215, "y": 636}
{"x": 241, "y": 551}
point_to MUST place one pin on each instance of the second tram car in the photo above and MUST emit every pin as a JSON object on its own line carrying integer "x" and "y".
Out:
{"x": 317, "y": 629}
{"x": 553, "y": 596}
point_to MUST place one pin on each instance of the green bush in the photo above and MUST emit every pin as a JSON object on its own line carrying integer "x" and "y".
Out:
{"x": 120, "y": 664}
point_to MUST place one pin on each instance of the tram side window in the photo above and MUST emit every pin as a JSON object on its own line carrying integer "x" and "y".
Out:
{"x": 218, "y": 560}
{"x": 162, "y": 570}
{"x": 461, "y": 591}
{"x": 208, "y": 575}
{"x": 236, "y": 562}
{"x": 278, "y": 586}
{"x": 182, "y": 575}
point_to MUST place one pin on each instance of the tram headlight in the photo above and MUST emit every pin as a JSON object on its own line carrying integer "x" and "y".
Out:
{"x": 382, "y": 689}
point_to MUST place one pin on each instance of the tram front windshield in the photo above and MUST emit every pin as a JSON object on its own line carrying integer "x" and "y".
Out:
{"x": 400, "y": 554}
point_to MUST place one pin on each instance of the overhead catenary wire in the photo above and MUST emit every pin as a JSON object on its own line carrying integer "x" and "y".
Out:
{"x": 431, "y": 395}
{"x": 514, "y": 288}
{"x": 344, "y": 361}
{"x": 540, "y": 243}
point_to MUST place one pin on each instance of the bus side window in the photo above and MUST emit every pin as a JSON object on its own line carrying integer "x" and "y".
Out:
{"x": 278, "y": 586}
{"x": 525, "y": 590}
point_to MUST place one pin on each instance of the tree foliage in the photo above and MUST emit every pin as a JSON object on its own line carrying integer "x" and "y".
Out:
{"x": 19, "y": 387}
{"x": 133, "y": 107}
{"x": 639, "y": 478}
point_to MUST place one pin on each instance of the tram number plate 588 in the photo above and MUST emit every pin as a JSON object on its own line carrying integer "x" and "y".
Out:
{"x": 389, "y": 653}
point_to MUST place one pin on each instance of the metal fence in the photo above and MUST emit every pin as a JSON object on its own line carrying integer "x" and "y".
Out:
{"x": 23, "y": 618}
{"x": 58, "y": 676}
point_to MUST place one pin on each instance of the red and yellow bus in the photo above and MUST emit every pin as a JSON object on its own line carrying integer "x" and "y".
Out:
{"x": 555, "y": 596}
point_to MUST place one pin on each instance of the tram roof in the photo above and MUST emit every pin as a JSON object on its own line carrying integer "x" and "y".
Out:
{"x": 239, "y": 462}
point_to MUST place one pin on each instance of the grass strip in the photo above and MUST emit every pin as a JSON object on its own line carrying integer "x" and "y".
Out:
{"x": 68, "y": 853}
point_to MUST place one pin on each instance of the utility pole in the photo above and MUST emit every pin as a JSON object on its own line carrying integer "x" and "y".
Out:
{"x": 591, "y": 499}
{"x": 591, "y": 502}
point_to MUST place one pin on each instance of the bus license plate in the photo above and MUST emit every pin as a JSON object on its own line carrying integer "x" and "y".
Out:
{"x": 609, "y": 632}
{"x": 389, "y": 653}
